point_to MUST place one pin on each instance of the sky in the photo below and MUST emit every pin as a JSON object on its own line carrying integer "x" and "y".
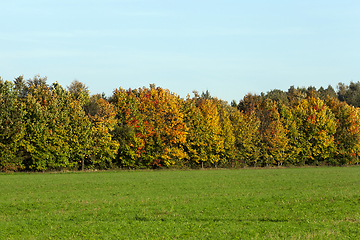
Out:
{"x": 228, "y": 47}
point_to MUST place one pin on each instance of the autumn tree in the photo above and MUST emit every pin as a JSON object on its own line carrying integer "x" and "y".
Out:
{"x": 317, "y": 126}
{"x": 126, "y": 131}
{"x": 195, "y": 124}
{"x": 57, "y": 130}
{"x": 228, "y": 152}
{"x": 249, "y": 103}
{"x": 46, "y": 128}
{"x": 103, "y": 147}
{"x": 347, "y": 136}
{"x": 151, "y": 121}
{"x": 273, "y": 136}
{"x": 288, "y": 120}
{"x": 247, "y": 138}
{"x": 12, "y": 128}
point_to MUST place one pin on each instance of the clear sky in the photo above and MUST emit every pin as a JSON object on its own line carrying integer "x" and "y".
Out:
{"x": 229, "y": 47}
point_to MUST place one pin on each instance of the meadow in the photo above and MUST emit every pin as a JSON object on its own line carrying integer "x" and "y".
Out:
{"x": 275, "y": 203}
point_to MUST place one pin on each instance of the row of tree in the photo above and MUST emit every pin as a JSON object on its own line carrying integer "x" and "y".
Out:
{"x": 48, "y": 127}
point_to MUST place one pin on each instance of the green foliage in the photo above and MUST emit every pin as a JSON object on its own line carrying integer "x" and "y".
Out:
{"x": 47, "y": 127}
{"x": 327, "y": 93}
{"x": 278, "y": 95}
{"x": 12, "y": 128}
{"x": 349, "y": 93}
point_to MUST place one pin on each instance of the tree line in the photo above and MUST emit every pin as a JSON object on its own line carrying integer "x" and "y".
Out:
{"x": 48, "y": 127}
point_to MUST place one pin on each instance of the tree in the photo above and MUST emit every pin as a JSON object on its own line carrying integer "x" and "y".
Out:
{"x": 273, "y": 134}
{"x": 247, "y": 140}
{"x": 204, "y": 142}
{"x": 249, "y": 103}
{"x": 103, "y": 147}
{"x": 329, "y": 92}
{"x": 195, "y": 126}
{"x": 228, "y": 152}
{"x": 152, "y": 123}
{"x": 79, "y": 135}
{"x": 213, "y": 143}
{"x": 206, "y": 95}
{"x": 12, "y": 128}
{"x": 295, "y": 95}
{"x": 46, "y": 127}
{"x": 57, "y": 129}
{"x": 317, "y": 126}
{"x": 278, "y": 95}
{"x": 347, "y": 136}
{"x": 288, "y": 120}
{"x": 126, "y": 130}
{"x": 349, "y": 94}
{"x": 79, "y": 91}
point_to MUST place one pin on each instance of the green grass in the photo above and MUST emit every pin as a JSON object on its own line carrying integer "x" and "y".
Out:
{"x": 295, "y": 203}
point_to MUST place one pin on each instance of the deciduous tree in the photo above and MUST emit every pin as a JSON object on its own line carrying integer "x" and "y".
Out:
{"x": 12, "y": 128}
{"x": 317, "y": 126}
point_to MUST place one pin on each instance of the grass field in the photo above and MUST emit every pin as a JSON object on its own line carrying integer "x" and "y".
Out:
{"x": 294, "y": 203}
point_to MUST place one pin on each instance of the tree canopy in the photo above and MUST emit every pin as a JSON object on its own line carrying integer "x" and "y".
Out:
{"x": 47, "y": 127}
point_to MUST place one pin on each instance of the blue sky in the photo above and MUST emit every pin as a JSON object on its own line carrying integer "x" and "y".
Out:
{"x": 227, "y": 47}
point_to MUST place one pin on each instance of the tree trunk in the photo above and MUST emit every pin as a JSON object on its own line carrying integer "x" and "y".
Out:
{"x": 82, "y": 164}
